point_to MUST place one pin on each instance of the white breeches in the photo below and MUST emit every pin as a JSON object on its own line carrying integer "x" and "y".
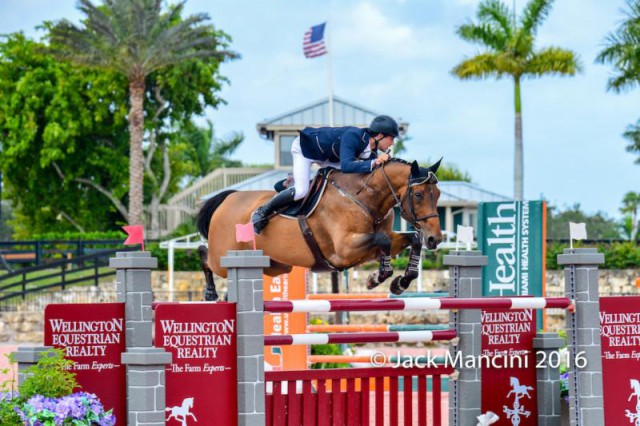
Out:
{"x": 302, "y": 169}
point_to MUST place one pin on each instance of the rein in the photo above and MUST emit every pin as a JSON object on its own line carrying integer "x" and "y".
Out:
{"x": 377, "y": 220}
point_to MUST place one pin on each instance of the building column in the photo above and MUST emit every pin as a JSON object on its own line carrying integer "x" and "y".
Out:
{"x": 244, "y": 281}
{"x": 465, "y": 281}
{"x": 145, "y": 364}
{"x": 583, "y": 336}
{"x": 549, "y": 409}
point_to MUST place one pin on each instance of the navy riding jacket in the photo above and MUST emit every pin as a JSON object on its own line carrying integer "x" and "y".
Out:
{"x": 342, "y": 145}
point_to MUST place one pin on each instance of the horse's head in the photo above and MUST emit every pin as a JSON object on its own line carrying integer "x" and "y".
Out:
{"x": 419, "y": 205}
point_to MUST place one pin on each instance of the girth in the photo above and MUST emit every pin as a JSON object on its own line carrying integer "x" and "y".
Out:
{"x": 321, "y": 264}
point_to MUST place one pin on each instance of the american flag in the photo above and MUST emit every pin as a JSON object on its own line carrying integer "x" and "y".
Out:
{"x": 313, "y": 44}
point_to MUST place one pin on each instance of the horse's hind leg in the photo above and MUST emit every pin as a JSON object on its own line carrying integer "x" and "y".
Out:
{"x": 210, "y": 294}
{"x": 384, "y": 270}
{"x": 401, "y": 283}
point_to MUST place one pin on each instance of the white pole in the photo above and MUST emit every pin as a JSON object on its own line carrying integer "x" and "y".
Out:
{"x": 171, "y": 253}
{"x": 329, "y": 74}
{"x": 419, "y": 287}
{"x": 314, "y": 283}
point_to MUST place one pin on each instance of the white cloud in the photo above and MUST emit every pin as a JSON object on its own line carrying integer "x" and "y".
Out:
{"x": 366, "y": 29}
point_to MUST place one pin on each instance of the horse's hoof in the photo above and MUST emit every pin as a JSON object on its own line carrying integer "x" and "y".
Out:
{"x": 210, "y": 296}
{"x": 395, "y": 287}
{"x": 372, "y": 281}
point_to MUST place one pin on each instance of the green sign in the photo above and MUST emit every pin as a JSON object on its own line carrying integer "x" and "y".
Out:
{"x": 513, "y": 235}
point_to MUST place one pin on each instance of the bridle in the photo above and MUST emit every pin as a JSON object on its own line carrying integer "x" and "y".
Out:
{"x": 413, "y": 219}
{"x": 412, "y": 181}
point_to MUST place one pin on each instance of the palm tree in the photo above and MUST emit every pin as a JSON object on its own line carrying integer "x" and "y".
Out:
{"x": 621, "y": 51}
{"x": 510, "y": 52}
{"x": 631, "y": 207}
{"x": 135, "y": 38}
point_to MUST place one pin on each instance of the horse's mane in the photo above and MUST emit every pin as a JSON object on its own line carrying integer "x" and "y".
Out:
{"x": 399, "y": 160}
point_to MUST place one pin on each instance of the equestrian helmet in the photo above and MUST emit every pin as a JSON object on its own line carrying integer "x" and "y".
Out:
{"x": 386, "y": 125}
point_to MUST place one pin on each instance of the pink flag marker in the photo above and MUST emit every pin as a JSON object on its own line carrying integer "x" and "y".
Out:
{"x": 135, "y": 235}
{"x": 244, "y": 233}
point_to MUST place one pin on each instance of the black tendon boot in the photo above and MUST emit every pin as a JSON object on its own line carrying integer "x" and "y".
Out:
{"x": 260, "y": 217}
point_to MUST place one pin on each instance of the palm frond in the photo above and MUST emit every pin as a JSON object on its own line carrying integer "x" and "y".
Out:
{"x": 534, "y": 14}
{"x": 481, "y": 66}
{"x": 553, "y": 61}
{"x": 632, "y": 135}
{"x": 135, "y": 37}
{"x": 483, "y": 34}
{"x": 623, "y": 51}
{"x": 496, "y": 12}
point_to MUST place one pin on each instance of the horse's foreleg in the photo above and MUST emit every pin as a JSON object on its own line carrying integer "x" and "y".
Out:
{"x": 210, "y": 294}
{"x": 401, "y": 283}
{"x": 383, "y": 242}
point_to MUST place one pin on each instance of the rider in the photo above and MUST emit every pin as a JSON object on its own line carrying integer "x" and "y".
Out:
{"x": 351, "y": 149}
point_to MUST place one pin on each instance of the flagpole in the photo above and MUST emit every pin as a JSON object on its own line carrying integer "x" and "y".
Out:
{"x": 329, "y": 74}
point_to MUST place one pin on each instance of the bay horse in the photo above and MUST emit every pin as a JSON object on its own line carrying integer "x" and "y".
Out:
{"x": 352, "y": 224}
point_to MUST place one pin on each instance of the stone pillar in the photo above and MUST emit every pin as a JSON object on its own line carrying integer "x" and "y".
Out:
{"x": 28, "y": 356}
{"x": 244, "y": 282}
{"x": 583, "y": 336}
{"x": 145, "y": 364}
{"x": 548, "y": 378}
{"x": 465, "y": 281}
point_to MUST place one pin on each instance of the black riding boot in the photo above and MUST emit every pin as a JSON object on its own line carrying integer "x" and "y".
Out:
{"x": 260, "y": 217}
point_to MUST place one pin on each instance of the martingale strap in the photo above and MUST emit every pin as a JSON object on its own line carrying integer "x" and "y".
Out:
{"x": 321, "y": 263}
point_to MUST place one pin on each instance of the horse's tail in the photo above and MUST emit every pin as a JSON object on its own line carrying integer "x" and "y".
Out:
{"x": 203, "y": 219}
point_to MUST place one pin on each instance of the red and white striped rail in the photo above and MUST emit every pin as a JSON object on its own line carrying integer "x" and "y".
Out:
{"x": 417, "y": 304}
{"x": 391, "y": 337}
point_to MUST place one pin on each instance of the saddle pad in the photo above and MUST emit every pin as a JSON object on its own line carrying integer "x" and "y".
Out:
{"x": 308, "y": 204}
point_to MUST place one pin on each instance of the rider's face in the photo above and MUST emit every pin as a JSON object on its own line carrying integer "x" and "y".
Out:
{"x": 386, "y": 143}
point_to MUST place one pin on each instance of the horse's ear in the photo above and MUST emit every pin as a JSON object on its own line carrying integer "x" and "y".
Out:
{"x": 434, "y": 168}
{"x": 415, "y": 169}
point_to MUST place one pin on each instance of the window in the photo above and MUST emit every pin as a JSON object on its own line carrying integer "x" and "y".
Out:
{"x": 285, "y": 150}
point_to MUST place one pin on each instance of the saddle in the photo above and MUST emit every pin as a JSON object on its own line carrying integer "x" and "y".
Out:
{"x": 308, "y": 204}
{"x": 304, "y": 208}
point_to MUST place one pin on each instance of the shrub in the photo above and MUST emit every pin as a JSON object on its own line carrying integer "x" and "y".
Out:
{"x": 45, "y": 396}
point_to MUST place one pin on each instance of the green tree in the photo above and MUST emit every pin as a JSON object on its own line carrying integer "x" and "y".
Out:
{"x": 135, "y": 38}
{"x": 207, "y": 152}
{"x": 630, "y": 207}
{"x": 55, "y": 137}
{"x": 599, "y": 226}
{"x": 448, "y": 172}
{"x": 77, "y": 141}
{"x": 621, "y": 52}
{"x": 511, "y": 52}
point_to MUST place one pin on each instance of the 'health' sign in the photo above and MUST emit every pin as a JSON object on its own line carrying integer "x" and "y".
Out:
{"x": 513, "y": 235}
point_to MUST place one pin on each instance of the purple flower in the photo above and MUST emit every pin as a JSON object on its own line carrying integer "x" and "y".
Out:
{"x": 81, "y": 406}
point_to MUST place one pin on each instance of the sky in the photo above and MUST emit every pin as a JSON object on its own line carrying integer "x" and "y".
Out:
{"x": 394, "y": 57}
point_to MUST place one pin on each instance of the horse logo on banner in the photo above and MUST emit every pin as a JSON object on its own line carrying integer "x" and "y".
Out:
{"x": 516, "y": 411}
{"x": 182, "y": 411}
{"x": 634, "y": 417}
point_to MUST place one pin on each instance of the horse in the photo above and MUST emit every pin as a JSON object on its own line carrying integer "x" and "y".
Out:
{"x": 518, "y": 389}
{"x": 351, "y": 225}
{"x": 183, "y": 411}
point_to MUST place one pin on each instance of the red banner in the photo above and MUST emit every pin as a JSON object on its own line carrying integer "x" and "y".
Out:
{"x": 202, "y": 379}
{"x": 92, "y": 336}
{"x": 620, "y": 340}
{"x": 509, "y": 369}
